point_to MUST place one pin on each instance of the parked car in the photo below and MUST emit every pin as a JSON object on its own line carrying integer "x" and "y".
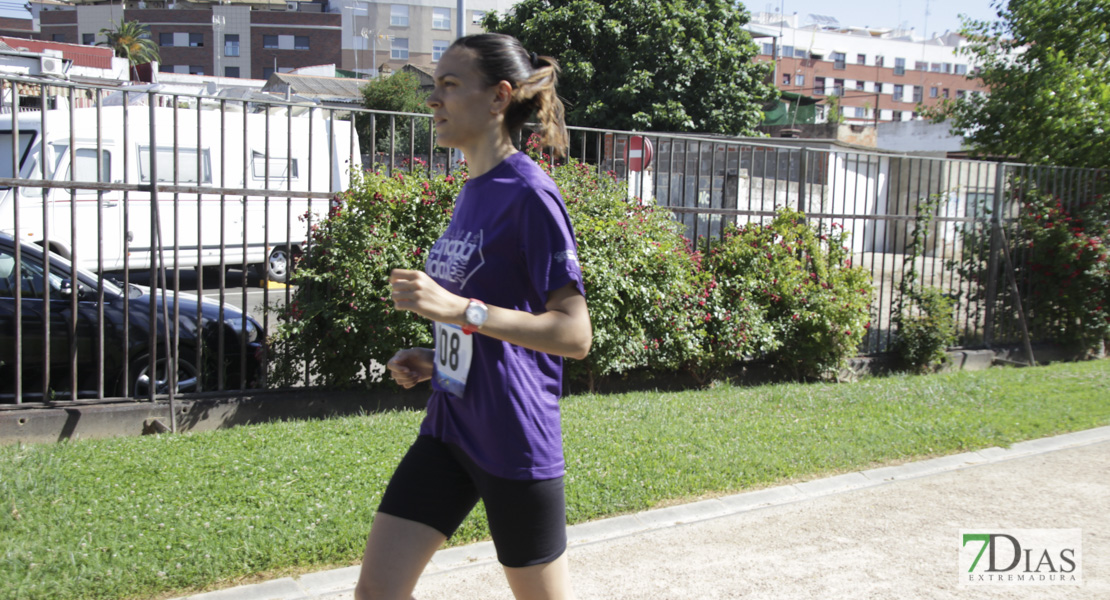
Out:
{"x": 243, "y": 337}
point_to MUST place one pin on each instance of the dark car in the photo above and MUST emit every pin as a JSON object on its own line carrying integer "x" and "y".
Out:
{"x": 229, "y": 346}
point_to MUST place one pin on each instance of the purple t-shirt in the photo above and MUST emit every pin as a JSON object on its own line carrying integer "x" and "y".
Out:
{"x": 509, "y": 243}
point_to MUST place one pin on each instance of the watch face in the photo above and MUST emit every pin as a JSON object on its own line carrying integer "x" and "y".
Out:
{"x": 476, "y": 314}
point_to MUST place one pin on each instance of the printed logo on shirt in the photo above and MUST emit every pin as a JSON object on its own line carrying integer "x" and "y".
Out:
{"x": 452, "y": 258}
{"x": 565, "y": 255}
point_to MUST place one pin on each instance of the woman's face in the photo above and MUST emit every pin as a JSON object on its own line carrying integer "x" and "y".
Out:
{"x": 465, "y": 110}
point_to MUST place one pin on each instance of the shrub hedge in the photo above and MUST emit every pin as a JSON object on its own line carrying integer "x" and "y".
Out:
{"x": 785, "y": 292}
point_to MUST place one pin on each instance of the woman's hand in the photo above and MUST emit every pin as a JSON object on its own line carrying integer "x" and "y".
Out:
{"x": 411, "y": 366}
{"x": 417, "y": 292}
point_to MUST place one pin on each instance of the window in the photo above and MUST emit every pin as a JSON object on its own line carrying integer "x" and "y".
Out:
{"x": 477, "y": 16}
{"x": 838, "y": 87}
{"x": 278, "y": 166}
{"x": 934, "y": 92}
{"x": 899, "y": 66}
{"x": 961, "y": 69}
{"x": 165, "y": 39}
{"x": 920, "y": 65}
{"x": 947, "y": 67}
{"x": 400, "y": 49}
{"x": 269, "y": 41}
{"x": 58, "y": 37}
{"x": 164, "y": 68}
{"x": 961, "y": 94}
{"x": 787, "y": 51}
{"x": 799, "y": 80}
{"x": 861, "y": 85}
{"x": 839, "y": 60}
{"x": 441, "y": 18}
{"x": 438, "y": 48}
{"x": 186, "y": 166}
{"x": 818, "y": 86}
{"x": 86, "y": 165}
{"x": 896, "y": 115}
{"x": 196, "y": 40}
{"x": 786, "y": 78}
{"x": 768, "y": 49}
{"x": 898, "y": 92}
{"x": 231, "y": 44}
{"x": 267, "y": 72}
{"x": 878, "y": 61}
{"x": 88, "y": 39}
{"x": 196, "y": 70}
{"x": 861, "y": 113}
{"x": 934, "y": 67}
{"x": 861, "y": 59}
{"x": 944, "y": 93}
{"x": 300, "y": 42}
{"x": 231, "y": 71}
{"x": 917, "y": 93}
{"x": 399, "y": 15}
{"x": 31, "y": 277}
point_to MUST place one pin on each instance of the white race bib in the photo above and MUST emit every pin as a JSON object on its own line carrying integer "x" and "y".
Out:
{"x": 454, "y": 349}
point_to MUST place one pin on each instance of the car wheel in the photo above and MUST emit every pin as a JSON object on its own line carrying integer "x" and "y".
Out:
{"x": 278, "y": 265}
{"x": 188, "y": 377}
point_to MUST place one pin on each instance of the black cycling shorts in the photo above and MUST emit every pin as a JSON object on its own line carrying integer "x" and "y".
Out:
{"x": 438, "y": 485}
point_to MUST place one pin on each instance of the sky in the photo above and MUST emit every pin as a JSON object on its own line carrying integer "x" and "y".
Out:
{"x": 942, "y": 14}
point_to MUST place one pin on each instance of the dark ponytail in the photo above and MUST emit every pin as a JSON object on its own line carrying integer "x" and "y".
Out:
{"x": 501, "y": 57}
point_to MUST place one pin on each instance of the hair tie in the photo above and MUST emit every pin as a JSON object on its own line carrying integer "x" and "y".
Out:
{"x": 535, "y": 60}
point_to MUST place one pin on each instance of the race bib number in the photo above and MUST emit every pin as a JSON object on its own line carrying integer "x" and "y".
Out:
{"x": 454, "y": 350}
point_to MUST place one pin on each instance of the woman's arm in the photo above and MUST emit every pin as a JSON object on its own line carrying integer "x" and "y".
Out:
{"x": 563, "y": 329}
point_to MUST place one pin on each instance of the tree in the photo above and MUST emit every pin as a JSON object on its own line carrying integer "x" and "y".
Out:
{"x": 1045, "y": 64}
{"x": 399, "y": 92}
{"x": 131, "y": 40}
{"x": 649, "y": 65}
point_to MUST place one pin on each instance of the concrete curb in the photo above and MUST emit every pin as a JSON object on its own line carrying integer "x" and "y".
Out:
{"x": 328, "y": 584}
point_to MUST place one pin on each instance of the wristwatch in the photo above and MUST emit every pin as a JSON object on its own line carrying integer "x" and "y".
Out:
{"x": 475, "y": 315}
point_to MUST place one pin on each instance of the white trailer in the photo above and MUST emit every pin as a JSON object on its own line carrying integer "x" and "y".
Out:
{"x": 234, "y": 188}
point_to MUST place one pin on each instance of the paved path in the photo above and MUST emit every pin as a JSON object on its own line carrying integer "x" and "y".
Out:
{"x": 891, "y": 532}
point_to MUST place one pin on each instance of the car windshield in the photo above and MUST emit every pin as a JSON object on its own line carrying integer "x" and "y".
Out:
{"x": 26, "y": 138}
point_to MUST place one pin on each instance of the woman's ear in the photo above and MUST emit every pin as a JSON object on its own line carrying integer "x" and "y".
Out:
{"x": 502, "y": 98}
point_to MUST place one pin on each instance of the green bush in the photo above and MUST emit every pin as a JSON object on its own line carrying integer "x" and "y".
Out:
{"x": 641, "y": 280}
{"x": 1067, "y": 268}
{"x": 785, "y": 292}
{"x": 1061, "y": 262}
{"x": 814, "y": 305}
{"x": 926, "y": 328}
{"x": 341, "y": 317}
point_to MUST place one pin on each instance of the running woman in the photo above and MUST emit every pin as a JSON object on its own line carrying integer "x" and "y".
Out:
{"x": 503, "y": 291}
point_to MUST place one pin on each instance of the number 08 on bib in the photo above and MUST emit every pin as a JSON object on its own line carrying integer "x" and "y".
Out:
{"x": 454, "y": 351}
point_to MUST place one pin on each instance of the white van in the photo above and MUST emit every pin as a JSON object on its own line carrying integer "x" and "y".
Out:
{"x": 263, "y": 163}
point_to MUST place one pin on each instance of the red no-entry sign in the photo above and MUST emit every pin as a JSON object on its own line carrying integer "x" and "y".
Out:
{"x": 638, "y": 153}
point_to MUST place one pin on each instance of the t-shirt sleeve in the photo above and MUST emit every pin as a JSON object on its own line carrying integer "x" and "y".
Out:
{"x": 548, "y": 248}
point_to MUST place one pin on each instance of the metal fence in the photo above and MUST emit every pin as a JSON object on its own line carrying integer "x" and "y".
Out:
{"x": 142, "y": 185}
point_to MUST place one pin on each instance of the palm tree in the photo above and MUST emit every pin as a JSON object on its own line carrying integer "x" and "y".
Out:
{"x": 131, "y": 40}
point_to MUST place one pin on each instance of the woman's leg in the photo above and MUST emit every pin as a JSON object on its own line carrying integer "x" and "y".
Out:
{"x": 549, "y": 581}
{"x": 427, "y": 498}
{"x": 396, "y": 553}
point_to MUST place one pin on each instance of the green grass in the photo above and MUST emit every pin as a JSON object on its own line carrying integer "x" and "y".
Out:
{"x": 169, "y": 515}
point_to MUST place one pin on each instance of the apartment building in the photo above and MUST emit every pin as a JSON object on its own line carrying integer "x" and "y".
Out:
{"x": 876, "y": 74}
{"x": 255, "y": 38}
{"x": 417, "y": 32}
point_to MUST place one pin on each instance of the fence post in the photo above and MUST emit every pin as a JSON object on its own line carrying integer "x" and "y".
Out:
{"x": 802, "y": 160}
{"x": 992, "y": 258}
